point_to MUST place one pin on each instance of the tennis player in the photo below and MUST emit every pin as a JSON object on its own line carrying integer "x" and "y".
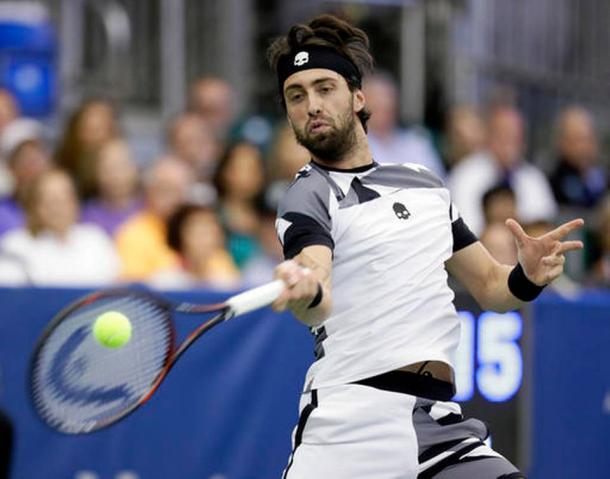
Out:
{"x": 368, "y": 247}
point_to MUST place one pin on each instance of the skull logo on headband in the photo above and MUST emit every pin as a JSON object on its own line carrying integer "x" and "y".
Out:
{"x": 301, "y": 58}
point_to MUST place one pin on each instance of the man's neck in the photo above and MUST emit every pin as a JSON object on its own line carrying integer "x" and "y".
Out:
{"x": 359, "y": 155}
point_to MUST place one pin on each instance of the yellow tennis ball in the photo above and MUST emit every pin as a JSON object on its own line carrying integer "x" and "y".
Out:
{"x": 112, "y": 329}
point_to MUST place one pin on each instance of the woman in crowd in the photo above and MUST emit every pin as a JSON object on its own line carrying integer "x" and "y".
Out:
{"x": 116, "y": 197}
{"x": 53, "y": 249}
{"x": 240, "y": 182}
{"x": 195, "y": 234}
{"x": 91, "y": 125}
{"x": 26, "y": 162}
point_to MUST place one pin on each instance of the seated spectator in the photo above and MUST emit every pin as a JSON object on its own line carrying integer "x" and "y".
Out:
{"x": 191, "y": 140}
{"x": 389, "y": 142}
{"x": 91, "y": 125}
{"x": 26, "y": 162}
{"x": 240, "y": 182}
{"x": 287, "y": 157}
{"x": 500, "y": 243}
{"x": 116, "y": 197}
{"x": 464, "y": 134}
{"x": 141, "y": 240}
{"x": 9, "y": 112}
{"x": 502, "y": 163}
{"x": 54, "y": 249}
{"x": 195, "y": 234}
{"x": 600, "y": 274}
{"x": 212, "y": 99}
{"x": 260, "y": 267}
{"x": 578, "y": 179}
{"x": 499, "y": 204}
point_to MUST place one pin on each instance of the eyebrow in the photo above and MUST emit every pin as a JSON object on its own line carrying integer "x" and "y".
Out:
{"x": 317, "y": 81}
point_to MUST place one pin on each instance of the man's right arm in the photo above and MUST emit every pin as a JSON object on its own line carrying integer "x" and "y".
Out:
{"x": 304, "y": 229}
{"x": 308, "y": 280}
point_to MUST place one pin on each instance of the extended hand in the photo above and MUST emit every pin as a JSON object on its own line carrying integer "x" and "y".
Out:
{"x": 301, "y": 287}
{"x": 542, "y": 258}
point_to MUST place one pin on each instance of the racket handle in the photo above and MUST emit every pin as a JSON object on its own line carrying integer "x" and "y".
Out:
{"x": 255, "y": 298}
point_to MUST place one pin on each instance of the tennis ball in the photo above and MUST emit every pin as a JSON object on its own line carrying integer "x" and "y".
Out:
{"x": 112, "y": 329}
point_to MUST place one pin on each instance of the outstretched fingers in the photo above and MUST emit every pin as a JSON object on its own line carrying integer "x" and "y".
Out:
{"x": 565, "y": 229}
{"x": 517, "y": 231}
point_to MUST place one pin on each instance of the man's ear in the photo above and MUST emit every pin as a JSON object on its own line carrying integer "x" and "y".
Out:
{"x": 359, "y": 101}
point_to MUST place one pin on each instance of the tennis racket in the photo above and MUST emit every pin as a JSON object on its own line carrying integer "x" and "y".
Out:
{"x": 79, "y": 386}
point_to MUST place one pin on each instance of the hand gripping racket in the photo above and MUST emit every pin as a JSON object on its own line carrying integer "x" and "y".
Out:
{"x": 79, "y": 386}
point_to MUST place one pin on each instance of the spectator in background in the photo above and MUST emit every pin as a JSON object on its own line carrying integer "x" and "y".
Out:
{"x": 260, "y": 267}
{"x": 116, "y": 197}
{"x": 577, "y": 180}
{"x": 212, "y": 99}
{"x": 196, "y": 236}
{"x": 464, "y": 134}
{"x": 26, "y": 162}
{"x": 240, "y": 183}
{"x": 9, "y": 111}
{"x": 141, "y": 240}
{"x": 191, "y": 140}
{"x": 286, "y": 158}
{"x": 91, "y": 125}
{"x": 389, "y": 142}
{"x": 287, "y": 155}
{"x": 600, "y": 274}
{"x": 502, "y": 163}
{"x": 499, "y": 204}
{"x": 54, "y": 249}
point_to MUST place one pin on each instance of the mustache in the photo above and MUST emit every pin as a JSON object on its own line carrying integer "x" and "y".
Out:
{"x": 319, "y": 119}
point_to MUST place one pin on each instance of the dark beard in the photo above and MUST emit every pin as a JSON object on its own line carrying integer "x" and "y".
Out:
{"x": 333, "y": 145}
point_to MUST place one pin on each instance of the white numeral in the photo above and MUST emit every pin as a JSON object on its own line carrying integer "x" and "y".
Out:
{"x": 500, "y": 368}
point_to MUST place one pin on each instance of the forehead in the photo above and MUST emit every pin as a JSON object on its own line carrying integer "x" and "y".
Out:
{"x": 306, "y": 78}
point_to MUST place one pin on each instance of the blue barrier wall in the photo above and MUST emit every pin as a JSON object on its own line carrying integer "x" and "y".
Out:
{"x": 227, "y": 409}
{"x": 570, "y": 395}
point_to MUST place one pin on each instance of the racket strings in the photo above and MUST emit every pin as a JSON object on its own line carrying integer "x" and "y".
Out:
{"x": 77, "y": 382}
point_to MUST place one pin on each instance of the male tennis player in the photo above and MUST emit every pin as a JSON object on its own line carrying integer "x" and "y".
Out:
{"x": 368, "y": 247}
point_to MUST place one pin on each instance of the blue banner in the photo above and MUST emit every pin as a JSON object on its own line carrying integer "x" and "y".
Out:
{"x": 570, "y": 429}
{"x": 226, "y": 411}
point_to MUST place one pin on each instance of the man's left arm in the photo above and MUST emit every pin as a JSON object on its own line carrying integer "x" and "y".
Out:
{"x": 498, "y": 287}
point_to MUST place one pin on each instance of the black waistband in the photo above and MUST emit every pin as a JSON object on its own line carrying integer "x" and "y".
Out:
{"x": 411, "y": 383}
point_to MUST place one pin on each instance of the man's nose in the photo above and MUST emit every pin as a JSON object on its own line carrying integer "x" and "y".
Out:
{"x": 314, "y": 107}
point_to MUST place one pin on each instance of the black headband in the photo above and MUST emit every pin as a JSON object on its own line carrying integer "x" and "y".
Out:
{"x": 316, "y": 56}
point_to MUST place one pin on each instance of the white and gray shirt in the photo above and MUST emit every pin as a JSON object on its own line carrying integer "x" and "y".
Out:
{"x": 391, "y": 228}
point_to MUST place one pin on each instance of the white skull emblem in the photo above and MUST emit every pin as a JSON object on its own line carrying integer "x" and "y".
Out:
{"x": 301, "y": 58}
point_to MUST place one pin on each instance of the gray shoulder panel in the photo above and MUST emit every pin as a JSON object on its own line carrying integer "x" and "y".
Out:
{"x": 400, "y": 176}
{"x": 308, "y": 195}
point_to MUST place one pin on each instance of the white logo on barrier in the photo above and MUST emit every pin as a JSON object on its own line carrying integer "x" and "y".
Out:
{"x": 301, "y": 58}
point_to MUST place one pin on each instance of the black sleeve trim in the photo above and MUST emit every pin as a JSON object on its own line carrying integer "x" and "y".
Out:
{"x": 304, "y": 231}
{"x": 462, "y": 236}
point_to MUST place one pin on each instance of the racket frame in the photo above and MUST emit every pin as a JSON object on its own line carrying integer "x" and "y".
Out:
{"x": 174, "y": 351}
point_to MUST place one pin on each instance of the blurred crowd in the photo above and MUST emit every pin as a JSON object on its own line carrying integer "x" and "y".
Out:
{"x": 79, "y": 210}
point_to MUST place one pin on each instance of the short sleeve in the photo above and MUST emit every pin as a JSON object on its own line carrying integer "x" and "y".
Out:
{"x": 462, "y": 236}
{"x": 303, "y": 214}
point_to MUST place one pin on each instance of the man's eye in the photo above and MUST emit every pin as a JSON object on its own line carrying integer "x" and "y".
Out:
{"x": 295, "y": 98}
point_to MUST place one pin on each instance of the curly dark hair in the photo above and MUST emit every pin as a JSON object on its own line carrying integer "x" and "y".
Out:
{"x": 177, "y": 221}
{"x": 328, "y": 31}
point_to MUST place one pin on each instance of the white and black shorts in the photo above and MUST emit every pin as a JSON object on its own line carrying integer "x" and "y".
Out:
{"x": 364, "y": 431}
